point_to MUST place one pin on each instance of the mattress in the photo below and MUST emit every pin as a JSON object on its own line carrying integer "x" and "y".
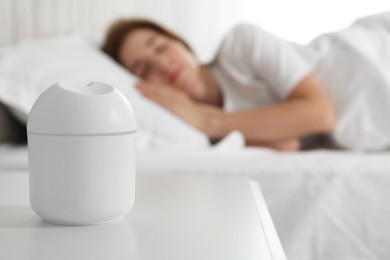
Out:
{"x": 325, "y": 204}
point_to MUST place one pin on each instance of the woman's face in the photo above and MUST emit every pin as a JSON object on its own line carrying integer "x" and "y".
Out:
{"x": 159, "y": 59}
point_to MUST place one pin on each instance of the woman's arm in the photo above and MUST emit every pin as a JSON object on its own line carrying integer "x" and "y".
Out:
{"x": 305, "y": 111}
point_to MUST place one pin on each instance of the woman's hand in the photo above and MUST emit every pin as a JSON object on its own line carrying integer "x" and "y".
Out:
{"x": 179, "y": 103}
{"x": 283, "y": 145}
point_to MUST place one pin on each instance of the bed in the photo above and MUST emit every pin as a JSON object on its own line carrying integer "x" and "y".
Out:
{"x": 325, "y": 204}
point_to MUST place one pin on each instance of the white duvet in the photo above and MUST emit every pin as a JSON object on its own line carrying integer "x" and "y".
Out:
{"x": 354, "y": 68}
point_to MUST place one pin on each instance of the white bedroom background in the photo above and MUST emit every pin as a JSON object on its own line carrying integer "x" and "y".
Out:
{"x": 302, "y": 20}
{"x": 25, "y": 19}
{"x": 204, "y": 22}
{"x": 201, "y": 22}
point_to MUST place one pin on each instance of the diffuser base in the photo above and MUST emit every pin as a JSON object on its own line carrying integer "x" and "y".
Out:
{"x": 64, "y": 223}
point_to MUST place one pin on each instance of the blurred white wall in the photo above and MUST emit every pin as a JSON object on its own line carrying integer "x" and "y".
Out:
{"x": 26, "y": 19}
{"x": 302, "y": 20}
{"x": 204, "y": 22}
{"x": 201, "y": 22}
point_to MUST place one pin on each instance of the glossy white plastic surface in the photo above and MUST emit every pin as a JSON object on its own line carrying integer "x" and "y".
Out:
{"x": 82, "y": 180}
{"x": 81, "y": 145}
{"x": 97, "y": 108}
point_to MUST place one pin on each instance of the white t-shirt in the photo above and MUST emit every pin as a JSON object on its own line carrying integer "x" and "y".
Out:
{"x": 255, "y": 68}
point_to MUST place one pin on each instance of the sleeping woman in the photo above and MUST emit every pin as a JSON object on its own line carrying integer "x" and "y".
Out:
{"x": 273, "y": 91}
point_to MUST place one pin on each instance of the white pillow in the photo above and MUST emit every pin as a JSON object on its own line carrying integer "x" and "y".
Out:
{"x": 29, "y": 68}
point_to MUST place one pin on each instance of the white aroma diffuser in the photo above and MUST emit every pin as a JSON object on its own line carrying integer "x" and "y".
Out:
{"x": 81, "y": 147}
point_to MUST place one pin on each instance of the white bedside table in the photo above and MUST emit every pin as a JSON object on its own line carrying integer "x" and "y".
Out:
{"x": 175, "y": 217}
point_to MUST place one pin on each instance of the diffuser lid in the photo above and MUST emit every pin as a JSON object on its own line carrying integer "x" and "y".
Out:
{"x": 68, "y": 109}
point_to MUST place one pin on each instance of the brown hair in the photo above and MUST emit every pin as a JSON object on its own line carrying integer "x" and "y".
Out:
{"x": 120, "y": 29}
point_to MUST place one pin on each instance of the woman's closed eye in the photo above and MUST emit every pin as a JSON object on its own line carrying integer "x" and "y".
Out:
{"x": 161, "y": 48}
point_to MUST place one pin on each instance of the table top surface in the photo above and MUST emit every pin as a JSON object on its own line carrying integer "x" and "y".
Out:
{"x": 174, "y": 217}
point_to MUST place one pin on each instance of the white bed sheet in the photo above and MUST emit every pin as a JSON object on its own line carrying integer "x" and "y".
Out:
{"x": 325, "y": 204}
